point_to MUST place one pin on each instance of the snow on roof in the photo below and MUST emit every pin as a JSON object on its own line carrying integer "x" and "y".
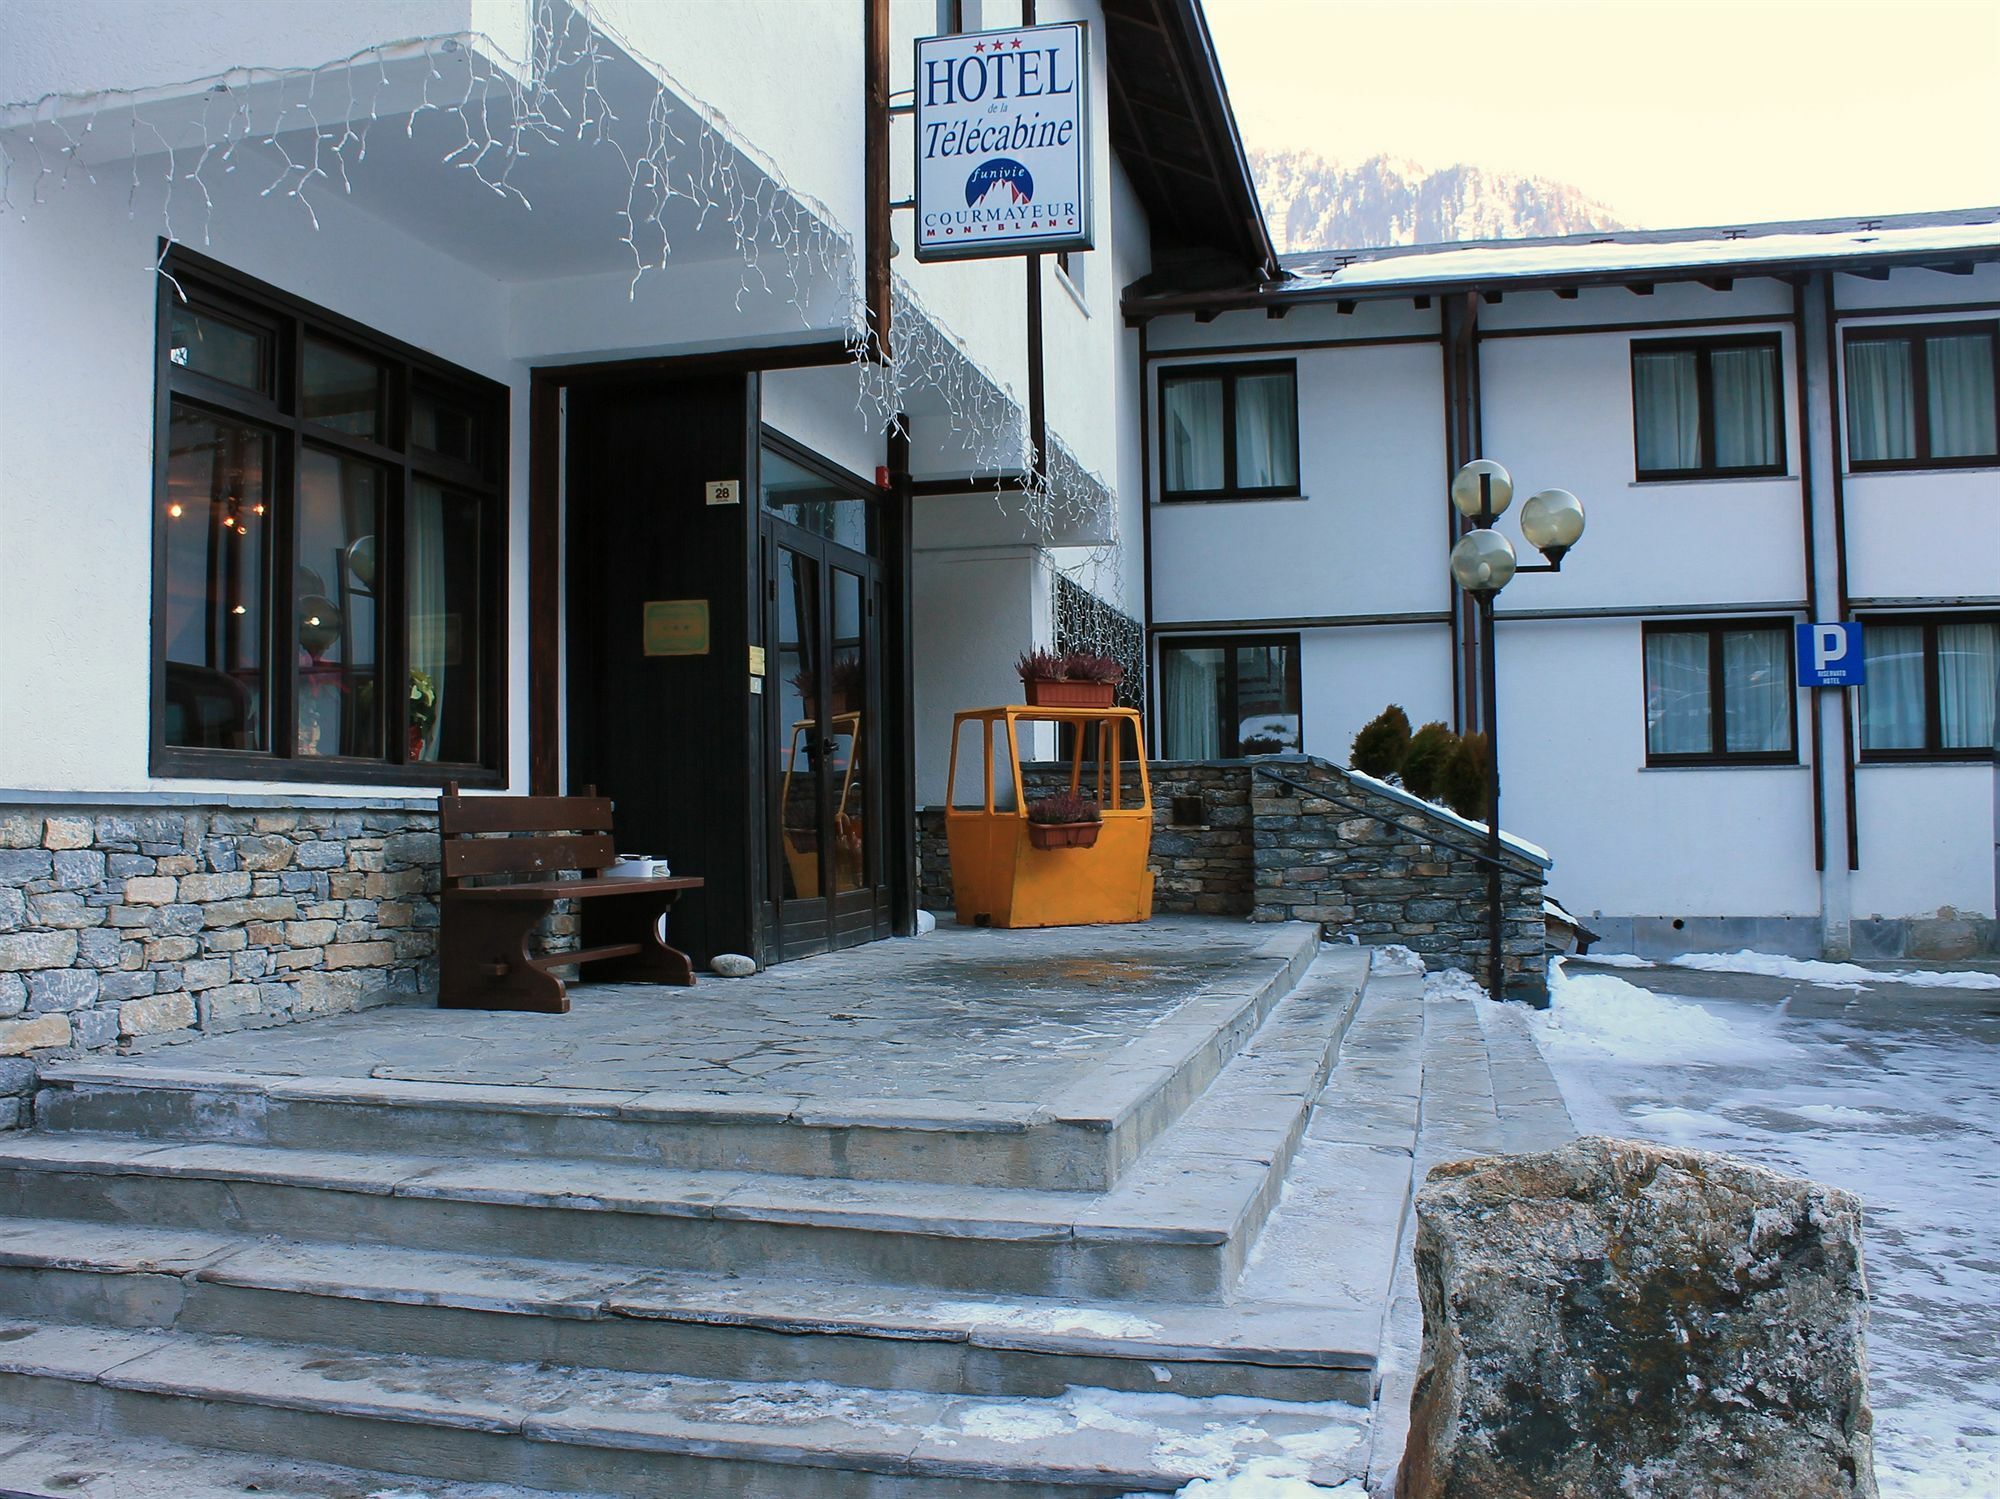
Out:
{"x": 1971, "y": 232}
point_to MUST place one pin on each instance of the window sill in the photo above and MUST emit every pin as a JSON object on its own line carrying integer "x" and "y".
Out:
{"x": 1233, "y": 499}
{"x": 1713, "y": 479}
{"x": 1978, "y": 759}
{"x": 197, "y": 765}
{"x": 1725, "y": 764}
{"x": 1986, "y": 466}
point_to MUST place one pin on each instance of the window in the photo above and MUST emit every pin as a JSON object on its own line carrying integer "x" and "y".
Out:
{"x": 1930, "y": 686}
{"x": 1922, "y": 397}
{"x": 1719, "y": 692}
{"x": 1229, "y": 432}
{"x": 1224, "y": 697}
{"x": 327, "y": 546}
{"x": 1708, "y": 408}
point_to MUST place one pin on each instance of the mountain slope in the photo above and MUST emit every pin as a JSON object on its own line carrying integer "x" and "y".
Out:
{"x": 1315, "y": 204}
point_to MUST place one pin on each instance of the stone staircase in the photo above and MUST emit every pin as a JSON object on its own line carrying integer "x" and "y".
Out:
{"x": 700, "y": 1296}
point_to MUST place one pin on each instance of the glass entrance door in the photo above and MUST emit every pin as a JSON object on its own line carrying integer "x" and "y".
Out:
{"x": 826, "y": 866}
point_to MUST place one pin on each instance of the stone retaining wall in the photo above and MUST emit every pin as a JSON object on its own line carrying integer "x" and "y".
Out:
{"x": 1228, "y": 839}
{"x": 122, "y": 927}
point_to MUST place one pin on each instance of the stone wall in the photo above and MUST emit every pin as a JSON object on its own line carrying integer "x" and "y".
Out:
{"x": 123, "y": 927}
{"x": 1375, "y": 866}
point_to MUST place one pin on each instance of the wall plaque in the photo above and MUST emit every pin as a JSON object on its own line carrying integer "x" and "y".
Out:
{"x": 676, "y": 627}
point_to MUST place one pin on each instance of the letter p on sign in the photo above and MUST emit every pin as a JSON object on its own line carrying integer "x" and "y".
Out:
{"x": 1830, "y": 656}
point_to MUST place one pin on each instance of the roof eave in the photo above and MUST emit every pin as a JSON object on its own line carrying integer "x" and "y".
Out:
{"x": 1270, "y": 294}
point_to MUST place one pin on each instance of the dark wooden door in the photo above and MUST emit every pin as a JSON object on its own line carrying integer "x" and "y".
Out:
{"x": 668, "y": 737}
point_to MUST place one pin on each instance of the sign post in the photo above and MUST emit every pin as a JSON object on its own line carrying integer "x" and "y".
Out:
{"x": 1830, "y": 656}
{"x": 1003, "y": 142}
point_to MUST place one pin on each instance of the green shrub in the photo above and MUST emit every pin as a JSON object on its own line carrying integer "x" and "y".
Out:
{"x": 1429, "y": 748}
{"x": 1462, "y": 781}
{"x": 1380, "y": 746}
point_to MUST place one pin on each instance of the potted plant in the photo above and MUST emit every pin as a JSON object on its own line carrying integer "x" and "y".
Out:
{"x": 1069, "y": 679}
{"x": 850, "y": 676}
{"x": 1064, "y": 820}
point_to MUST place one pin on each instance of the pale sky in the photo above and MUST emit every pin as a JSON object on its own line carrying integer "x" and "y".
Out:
{"x": 1671, "y": 112}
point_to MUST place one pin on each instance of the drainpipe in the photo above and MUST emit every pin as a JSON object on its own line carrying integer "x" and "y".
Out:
{"x": 1819, "y": 475}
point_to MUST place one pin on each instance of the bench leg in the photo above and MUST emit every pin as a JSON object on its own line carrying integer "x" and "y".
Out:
{"x": 483, "y": 959}
{"x": 635, "y": 918}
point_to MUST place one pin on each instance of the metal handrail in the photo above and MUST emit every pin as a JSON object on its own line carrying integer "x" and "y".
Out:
{"x": 1321, "y": 793}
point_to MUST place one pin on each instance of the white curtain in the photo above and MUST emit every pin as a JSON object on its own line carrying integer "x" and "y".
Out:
{"x": 1892, "y": 698}
{"x": 1968, "y": 683}
{"x": 1677, "y": 710}
{"x": 1191, "y": 717}
{"x": 1745, "y": 389}
{"x": 1267, "y": 421}
{"x": 1192, "y": 418}
{"x": 428, "y": 606}
{"x": 1756, "y": 692}
{"x": 1881, "y": 411}
{"x": 1960, "y": 397}
{"x": 1667, "y": 406}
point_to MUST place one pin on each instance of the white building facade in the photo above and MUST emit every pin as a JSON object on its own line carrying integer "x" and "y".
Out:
{"x": 529, "y": 397}
{"x": 1768, "y": 427}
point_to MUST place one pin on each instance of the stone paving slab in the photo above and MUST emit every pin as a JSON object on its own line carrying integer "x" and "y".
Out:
{"x": 963, "y": 1015}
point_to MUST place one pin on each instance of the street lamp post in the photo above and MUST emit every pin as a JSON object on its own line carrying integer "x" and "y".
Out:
{"x": 1482, "y": 563}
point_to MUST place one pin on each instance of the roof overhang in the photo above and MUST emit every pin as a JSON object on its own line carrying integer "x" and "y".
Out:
{"x": 1871, "y": 248}
{"x": 1173, "y": 128}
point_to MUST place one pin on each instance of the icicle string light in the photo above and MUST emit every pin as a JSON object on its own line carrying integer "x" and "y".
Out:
{"x": 310, "y": 127}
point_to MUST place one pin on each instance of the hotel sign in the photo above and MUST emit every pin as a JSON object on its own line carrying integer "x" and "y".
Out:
{"x": 1003, "y": 142}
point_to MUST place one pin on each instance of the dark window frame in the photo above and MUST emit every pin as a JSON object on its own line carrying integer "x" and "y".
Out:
{"x": 1718, "y": 705}
{"x": 210, "y": 286}
{"x": 1230, "y": 373}
{"x": 1933, "y": 752}
{"x": 1232, "y": 717}
{"x": 1916, "y": 335}
{"x": 1703, "y": 349}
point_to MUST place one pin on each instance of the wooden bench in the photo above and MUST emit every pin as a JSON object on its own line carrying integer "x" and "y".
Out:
{"x": 484, "y": 929}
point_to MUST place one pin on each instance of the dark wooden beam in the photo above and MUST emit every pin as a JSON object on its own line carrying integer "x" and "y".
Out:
{"x": 1871, "y": 272}
{"x": 875, "y": 174}
{"x": 1207, "y": 315}
{"x": 1492, "y": 297}
{"x": 1566, "y": 293}
{"x": 1277, "y": 310}
{"x": 1345, "y": 309}
{"x": 1639, "y": 288}
{"x": 1718, "y": 283}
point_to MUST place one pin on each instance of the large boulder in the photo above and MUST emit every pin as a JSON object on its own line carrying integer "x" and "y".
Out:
{"x": 1621, "y": 1319}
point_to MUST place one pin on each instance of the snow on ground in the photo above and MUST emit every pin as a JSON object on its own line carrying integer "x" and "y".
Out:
{"x": 1831, "y": 975}
{"x": 1893, "y": 1098}
{"x": 1266, "y": 1479}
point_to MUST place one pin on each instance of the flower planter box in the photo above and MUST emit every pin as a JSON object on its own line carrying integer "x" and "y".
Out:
{"x": 1043, "y": 693}
{"x": 1064, "y": 834}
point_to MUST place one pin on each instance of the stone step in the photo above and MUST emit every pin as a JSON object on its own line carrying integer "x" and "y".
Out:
{"x": 1082, "y": 1139}
{"x": 39, "y": 1463}
{"x": 553, "y": 1427}
{"x": 1175, "y": 1228}
{"x": 385, "y": 1300}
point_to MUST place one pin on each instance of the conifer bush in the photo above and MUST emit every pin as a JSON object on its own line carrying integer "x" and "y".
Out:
{"x": 1462, "y": 779}
{"x": 1429, "y": 748}
{"x": 1380, "y": 746}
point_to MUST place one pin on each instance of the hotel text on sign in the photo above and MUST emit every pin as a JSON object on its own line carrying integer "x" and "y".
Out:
{"x": 1003, "y": 142}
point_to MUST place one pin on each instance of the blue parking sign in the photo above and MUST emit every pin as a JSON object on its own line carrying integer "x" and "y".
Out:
{"x": 1830, "y": 656}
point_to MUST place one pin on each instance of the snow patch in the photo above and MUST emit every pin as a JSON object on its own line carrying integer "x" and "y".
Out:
{"x": 1453, "y": 983}
{"x": 1601, "y": 1015}
{"x": 1396, "y": 958}
{"x": 1830, "y": 975}
{"x": 1055, "y": 1319}
{"x": 1616, "y": 960}
{"x": 1266, "y": 1478}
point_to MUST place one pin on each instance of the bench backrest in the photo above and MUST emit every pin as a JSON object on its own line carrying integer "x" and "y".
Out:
{"x": 561, "y": 832}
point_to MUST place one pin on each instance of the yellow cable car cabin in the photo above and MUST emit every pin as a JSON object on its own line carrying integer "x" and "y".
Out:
{"x": 1009, "y": 872}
